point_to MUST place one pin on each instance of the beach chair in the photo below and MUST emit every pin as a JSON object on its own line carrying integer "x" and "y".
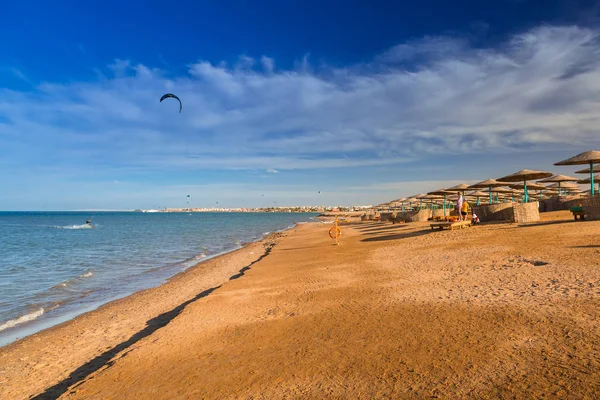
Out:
{"x": 578, "y": 213}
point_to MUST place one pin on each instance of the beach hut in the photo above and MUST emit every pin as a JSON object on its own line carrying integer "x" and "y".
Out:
{"x": 559, "y": 179}
{"x": 490, "y": 183}
{"x": 523, "y": 176}
{"x": 589, "y": 157}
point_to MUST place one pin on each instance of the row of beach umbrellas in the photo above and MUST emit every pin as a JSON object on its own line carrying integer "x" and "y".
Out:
{"x": 520, "y": 183}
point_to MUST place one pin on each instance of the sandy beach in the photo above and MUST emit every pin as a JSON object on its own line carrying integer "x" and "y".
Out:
{"x": 394, "y": 311}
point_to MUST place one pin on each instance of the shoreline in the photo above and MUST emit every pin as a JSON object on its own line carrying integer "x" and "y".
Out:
{"x": 42, "y": 321}
{"x": 394, "y": 311}
{"x": 121, "y": 318}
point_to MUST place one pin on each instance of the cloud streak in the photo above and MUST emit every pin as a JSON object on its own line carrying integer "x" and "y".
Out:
{"x": 416, "y": 102}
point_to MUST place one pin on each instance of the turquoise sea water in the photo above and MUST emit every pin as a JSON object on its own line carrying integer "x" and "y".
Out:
{"x": 54, "y": 267}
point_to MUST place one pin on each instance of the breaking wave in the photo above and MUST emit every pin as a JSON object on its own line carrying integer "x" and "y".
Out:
{"x": 22, "y": 319}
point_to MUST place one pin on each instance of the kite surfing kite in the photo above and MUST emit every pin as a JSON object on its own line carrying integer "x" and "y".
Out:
{"x": 166, "y": 96}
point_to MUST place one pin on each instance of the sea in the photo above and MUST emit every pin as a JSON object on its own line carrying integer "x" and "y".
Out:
{"x": 54, "y": 266}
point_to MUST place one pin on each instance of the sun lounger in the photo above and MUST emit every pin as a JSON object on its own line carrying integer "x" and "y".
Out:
{"x": 450, "y": 225}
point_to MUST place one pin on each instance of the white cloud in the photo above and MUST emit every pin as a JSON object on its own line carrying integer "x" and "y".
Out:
{"x": 267, "y": 63}
{"x": 426, "y": 98}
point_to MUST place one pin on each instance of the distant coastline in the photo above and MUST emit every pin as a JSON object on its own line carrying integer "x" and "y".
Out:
{"x": 298, "y": 209}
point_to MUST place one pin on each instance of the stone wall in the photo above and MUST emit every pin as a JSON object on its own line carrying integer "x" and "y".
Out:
{"x": 416, "y": 216}
{"x": 559, "y": 203}
{"x": 591, "y": 207}
{"x": 526, "y": 212}
{"x": 438, "y": 212}
{"x": 495, "y": 212}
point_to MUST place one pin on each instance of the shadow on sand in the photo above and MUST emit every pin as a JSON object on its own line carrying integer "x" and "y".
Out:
{"x": 544, "y": 223}
{"x": 77, "y": 376}
{"x": 396, "y": 236}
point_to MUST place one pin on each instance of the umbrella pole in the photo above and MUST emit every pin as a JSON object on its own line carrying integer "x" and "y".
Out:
{"x": 491, "y": 200}
{"x": 444, "y": 204}
{"x": 558, "y": 189}
{"x": 525, "y": 190}
{"x": 477, "y": 200}
{"x": 592, "y": 177}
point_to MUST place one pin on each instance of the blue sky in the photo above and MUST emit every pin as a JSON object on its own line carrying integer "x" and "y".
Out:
{"x": 362, "y": 101}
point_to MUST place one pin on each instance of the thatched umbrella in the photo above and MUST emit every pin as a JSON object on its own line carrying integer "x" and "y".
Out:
{"x": 503, "y": 193}
{"x": 401, "y": 200}
{"x": 530, "y": 185}
{"x": 588, "y": 180}
{"x": 587, "y": 170}
{"x": 490, "y": 183}
{"x": 441, "y": 192}
{"x": 558, "y": 179}
{"x": 477, "y": 195}
{"x": 411, "y": 200}
{"x": 589, "y": 157}
{"x": 524, "y": 175}
{"x": 459, "y": 188}
{"x": 431, "y": 198}
{"x": 566, "y": 187}
{"x": 420, "y": 197}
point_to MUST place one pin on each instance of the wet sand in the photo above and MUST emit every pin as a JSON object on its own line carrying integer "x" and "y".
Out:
{"x": 395, "y": 311}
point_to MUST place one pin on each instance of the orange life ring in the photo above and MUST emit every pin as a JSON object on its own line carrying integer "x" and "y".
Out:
{"x": 335, "y": 232}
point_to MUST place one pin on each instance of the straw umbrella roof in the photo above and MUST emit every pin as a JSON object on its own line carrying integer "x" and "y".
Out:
{"x": 592, "y": 156}
{"x": 587, "y": 180}
{"x": 565, "y": 186}
{"x": 502, "y": 190}
{"x": 525, "y": 175}
{"x": 560, "y": 178}
{"x": 462, "y": 186}
{"x": 530, "y": 185}
{"x": 487, "y": 183}
{"x": 440, "y": 192}
{"x": 587, "y": 170}
{"x": 478, "y": 193}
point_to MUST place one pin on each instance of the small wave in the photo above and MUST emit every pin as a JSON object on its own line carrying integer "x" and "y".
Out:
{"x": 68, "y": 282}
{"x": 83, "y": 226}
{"x": 22, "y": 319}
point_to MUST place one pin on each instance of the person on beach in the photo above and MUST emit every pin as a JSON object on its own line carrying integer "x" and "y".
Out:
{"x": 459, "y": 204}
{"x": 464, "y": 210}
